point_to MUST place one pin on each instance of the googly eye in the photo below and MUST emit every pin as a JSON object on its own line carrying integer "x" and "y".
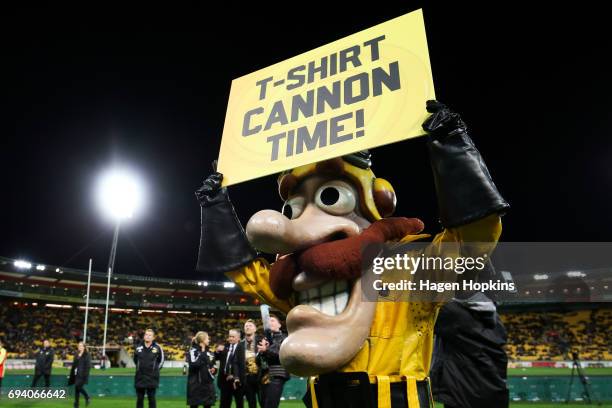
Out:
{"x": 336, "y": 197}
{"x": 293, "y": 207}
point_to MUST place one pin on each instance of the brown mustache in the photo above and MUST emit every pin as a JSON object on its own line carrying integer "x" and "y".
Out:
{"x": 340, "y": 259}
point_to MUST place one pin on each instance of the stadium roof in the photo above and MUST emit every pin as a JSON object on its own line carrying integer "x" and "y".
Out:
{"x": 22, "y": 269}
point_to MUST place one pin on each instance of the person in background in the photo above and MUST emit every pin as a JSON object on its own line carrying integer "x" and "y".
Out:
{"x": 469, "y": 361}
{"x": 228, "y": 380}
{"x": 277, "y": 375}
{"x": 79, "y": 373}
{"x": 245, "y": 363}
{"x": 201, "y": 377}
{"x": 149, "y": 359}
{"x": 44, "y": 362}
{"x": 2, "y": 363}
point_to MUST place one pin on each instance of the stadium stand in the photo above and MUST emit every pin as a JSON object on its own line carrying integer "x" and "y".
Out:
{"x": 550, "y": 336}
{"x": 37, "y": 303}
{"x": 533, "y": 336}
{"x": 26, "y": 325}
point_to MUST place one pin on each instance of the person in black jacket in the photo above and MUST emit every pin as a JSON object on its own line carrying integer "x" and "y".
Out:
{"x": 44, "y": 362}
{"x": 469, "y": 363}
{"x": 201, "y": 376}
{"x": 229, "y": 379}
{"x": 276, "y": 375}
{"x": 79, "y": 373}
{"x": 149, "y": 359}
{"x": 245, "y": 364}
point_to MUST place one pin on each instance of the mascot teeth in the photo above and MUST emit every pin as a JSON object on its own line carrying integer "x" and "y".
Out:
{"x": 330, "y": 298}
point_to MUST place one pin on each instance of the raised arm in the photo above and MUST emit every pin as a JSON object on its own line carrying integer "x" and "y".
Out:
{"x": 464, "y": 187}
{"x": 470, "y": 205}
{"x": 225, "y": 248}
{"x": 223, "y": 243}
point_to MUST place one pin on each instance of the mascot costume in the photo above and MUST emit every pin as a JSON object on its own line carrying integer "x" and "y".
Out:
{"x": 355, "y": 353}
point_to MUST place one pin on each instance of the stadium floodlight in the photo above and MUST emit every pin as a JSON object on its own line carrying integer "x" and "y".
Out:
{"x": 229, "y": 285}
{"x": 120, "y": 193}
{"x": 56, "y": 306}
{"x": 21, "y": 264}
{"x": 40, "y": 267}
{"x": 576, "y": 274}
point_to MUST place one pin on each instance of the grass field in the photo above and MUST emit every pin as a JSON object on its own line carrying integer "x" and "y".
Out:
{"x": 175, "y": 402}
{"x": 550, "y": 371}
{"x": 111, "y": 402}
{"x": 518, "y": 372}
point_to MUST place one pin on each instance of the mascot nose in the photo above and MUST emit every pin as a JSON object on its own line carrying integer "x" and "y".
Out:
{"x": 271, "y": 232}
{"x": 267, "y": 231}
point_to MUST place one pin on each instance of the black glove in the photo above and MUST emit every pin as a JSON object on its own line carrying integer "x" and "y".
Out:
{"x": 223, "y": 243}
{"x": 210, "y": 189}
{"x": 464, "y": 186}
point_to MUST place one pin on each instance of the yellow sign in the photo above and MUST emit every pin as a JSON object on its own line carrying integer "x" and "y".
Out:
{"x": 365, "y": 90}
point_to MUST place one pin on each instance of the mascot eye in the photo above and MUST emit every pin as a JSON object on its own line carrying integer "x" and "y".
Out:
{"x": 336, "y": 197}
{"x": 293, "y": 207}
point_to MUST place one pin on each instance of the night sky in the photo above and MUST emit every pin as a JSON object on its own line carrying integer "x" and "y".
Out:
{"x": 145, "y": 86}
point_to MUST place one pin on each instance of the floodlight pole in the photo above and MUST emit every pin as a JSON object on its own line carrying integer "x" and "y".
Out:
{"x": 111, "y": 266}
{"x": 87, "y": 304}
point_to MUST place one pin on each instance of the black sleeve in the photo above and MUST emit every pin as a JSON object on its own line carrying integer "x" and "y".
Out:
{"x": 445, "y": 323}
{"x": 73, "y": 367}
{"x": 221, "y": 356}
{"x": 259, "y": 359}
{"x": 223, "y": 242}
{"x": 230, "y": 363}
{"x": 499, "y": 326}
{"x": 72, "y": 375}
{"x": 464, "y": 186}
{"x": 274, "y": 348}
{"x": 50, "y": 358}
{"x": 87, "y": 364}
{"x": 233, "y": 370}
{"x": 161, "y": 358}
{"x": 196, "y": 360}
{"x": 238, "y": 362}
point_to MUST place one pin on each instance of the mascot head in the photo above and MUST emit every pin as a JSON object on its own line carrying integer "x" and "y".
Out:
{"x": 331, "y": 210}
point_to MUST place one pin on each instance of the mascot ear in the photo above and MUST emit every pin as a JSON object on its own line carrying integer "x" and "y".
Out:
{"x": 384, "y": 197}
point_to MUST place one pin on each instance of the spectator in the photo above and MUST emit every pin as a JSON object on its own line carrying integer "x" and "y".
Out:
{"x": 246, "y": 354}
{"x": 44, "y": 363}
{"x": 229, "y": 379}
{"x": 79, "y": 373}
{"x": 469, "y": 362}
{"x": 277, "y": 375}
{"x": 201, "y": 377}
{"x": 149, "y": 360}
